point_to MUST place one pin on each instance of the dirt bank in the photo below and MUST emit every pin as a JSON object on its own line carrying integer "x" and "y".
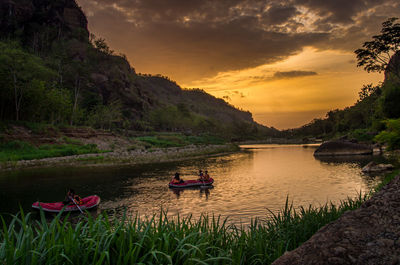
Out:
{"x": 369, "y": 235}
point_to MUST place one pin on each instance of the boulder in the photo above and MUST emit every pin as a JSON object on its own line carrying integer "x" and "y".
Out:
{"x": 372, "y": 167}
{"x": 339, "y": 148}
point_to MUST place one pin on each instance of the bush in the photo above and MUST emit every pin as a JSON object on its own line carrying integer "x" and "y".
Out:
{"x": 362, "y": 135}
{"x": 391, "y": 136}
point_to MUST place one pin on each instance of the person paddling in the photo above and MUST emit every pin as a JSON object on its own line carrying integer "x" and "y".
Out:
{"x": 206, "y": 177}
{"x": 177, "y": 179}
{"x": 72, "y": 196}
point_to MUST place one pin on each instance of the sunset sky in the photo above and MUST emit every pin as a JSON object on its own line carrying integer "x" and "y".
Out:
{"x": 285, "y": 61}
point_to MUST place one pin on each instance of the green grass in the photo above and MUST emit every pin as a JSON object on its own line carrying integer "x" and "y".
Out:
{"x": 178, "y": 140}
{"x": 388, "y": 178}
{"x": 19, "y": 150}
{"x": 161, "y": 240}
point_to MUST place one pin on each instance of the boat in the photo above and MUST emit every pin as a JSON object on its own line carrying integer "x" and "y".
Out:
{"x": 89, "y": 202}
{"x": 191, "y": 183}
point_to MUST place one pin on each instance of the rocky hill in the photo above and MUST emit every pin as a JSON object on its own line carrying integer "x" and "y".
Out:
{"x": 97, "y": 78}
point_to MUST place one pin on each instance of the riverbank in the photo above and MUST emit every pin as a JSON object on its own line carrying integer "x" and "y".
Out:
{"x": 124, "y": 157}
{"x": 368, "y": 235}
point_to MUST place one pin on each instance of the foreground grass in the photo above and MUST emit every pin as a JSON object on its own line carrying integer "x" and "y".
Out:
{"x": 160, "y": 240}
{"x": 18, "y": 150}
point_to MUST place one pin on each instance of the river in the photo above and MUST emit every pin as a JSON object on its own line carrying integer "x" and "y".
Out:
{"x": 247, "y": 184}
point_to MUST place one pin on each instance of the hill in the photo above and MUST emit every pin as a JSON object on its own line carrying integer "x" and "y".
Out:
{"x": 54, "y": 71}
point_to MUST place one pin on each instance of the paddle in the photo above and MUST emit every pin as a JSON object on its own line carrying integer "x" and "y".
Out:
{"x": 76, "y": 204}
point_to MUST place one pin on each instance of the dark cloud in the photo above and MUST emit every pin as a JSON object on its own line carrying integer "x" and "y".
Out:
{"x": 192, "y": 39}
{"x": 292, "y": 74}
{"x": 279, "y": 14}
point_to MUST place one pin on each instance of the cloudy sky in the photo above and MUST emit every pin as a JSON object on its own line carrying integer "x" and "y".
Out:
{"x": 285, "y": 61}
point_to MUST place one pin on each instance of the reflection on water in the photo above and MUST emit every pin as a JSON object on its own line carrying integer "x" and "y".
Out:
{"x": 246, "y": 184}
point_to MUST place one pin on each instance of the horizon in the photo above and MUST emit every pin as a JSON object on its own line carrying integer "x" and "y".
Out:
{"x": 285, "y": 62}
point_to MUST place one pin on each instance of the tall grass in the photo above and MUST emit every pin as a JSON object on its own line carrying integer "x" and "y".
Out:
{"x": 161, "y": 240}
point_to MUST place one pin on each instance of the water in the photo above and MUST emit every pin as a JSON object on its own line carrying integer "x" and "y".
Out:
{"x": 247, "y": 183}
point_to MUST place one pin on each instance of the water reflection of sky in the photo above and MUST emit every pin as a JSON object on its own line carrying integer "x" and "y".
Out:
{"x": 246, "y": 184}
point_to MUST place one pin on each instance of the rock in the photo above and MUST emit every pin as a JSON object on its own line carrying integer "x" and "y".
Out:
{"x": 339, "y": 148}
{"x": 373, "y": 167}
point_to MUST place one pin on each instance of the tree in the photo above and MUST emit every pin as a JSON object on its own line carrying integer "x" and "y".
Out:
{"x": 103, "y": 116}
{"x": 376, "y": 54}
{"x": 368, "y": 90}
{"x": 100, "y": 44}
{"x": 22, "y": 69}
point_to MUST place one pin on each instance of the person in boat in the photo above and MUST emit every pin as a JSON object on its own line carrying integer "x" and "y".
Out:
{"x": 201, "y": 175}
{"x": 177, "y": 179}
{"x": 206, "y": 177}
{"x": 71, "y": 197}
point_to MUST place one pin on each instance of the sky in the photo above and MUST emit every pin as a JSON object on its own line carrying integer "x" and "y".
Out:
{"x": 287, "y": 61}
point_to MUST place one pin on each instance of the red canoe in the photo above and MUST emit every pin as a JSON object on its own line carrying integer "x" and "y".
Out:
{"x": 55, "y": 207}
{"x": 191, "y": 183}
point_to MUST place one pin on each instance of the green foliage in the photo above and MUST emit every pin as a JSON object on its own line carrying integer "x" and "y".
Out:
{"x": 163, "y": 142}
{"x": 179, "y": 118}
{"x": 160, "y": 239}
{"x": 23, "y": 80}
{"x": 28, "y": 91}
{"x": 388, "y": 178}
{"x": 391, "y": 136}
{"x": 362, "y": 135}
{"x": 104, "y": 116}
{"x": 178, "y": 140}
{"x": 19, "y": 150}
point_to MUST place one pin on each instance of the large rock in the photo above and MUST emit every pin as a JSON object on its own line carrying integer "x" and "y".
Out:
{"x": 339, "y": 148}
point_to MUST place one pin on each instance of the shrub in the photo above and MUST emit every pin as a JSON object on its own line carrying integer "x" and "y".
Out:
{"x": 391, "y": 136}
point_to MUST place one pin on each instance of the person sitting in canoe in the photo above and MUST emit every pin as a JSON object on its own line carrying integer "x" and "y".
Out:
{"x": 201, "y": 175}
{"x": 71, "y": 196}
{"x": 177, "y": 179}
{"x": 206, "y": 177}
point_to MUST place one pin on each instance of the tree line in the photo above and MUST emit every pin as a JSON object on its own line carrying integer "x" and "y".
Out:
{"x": 377, "y": 108}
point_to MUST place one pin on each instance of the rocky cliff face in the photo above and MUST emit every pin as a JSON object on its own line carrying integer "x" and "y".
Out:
{"x": 39, "y": 22}
{"x": 393, "y": 68}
